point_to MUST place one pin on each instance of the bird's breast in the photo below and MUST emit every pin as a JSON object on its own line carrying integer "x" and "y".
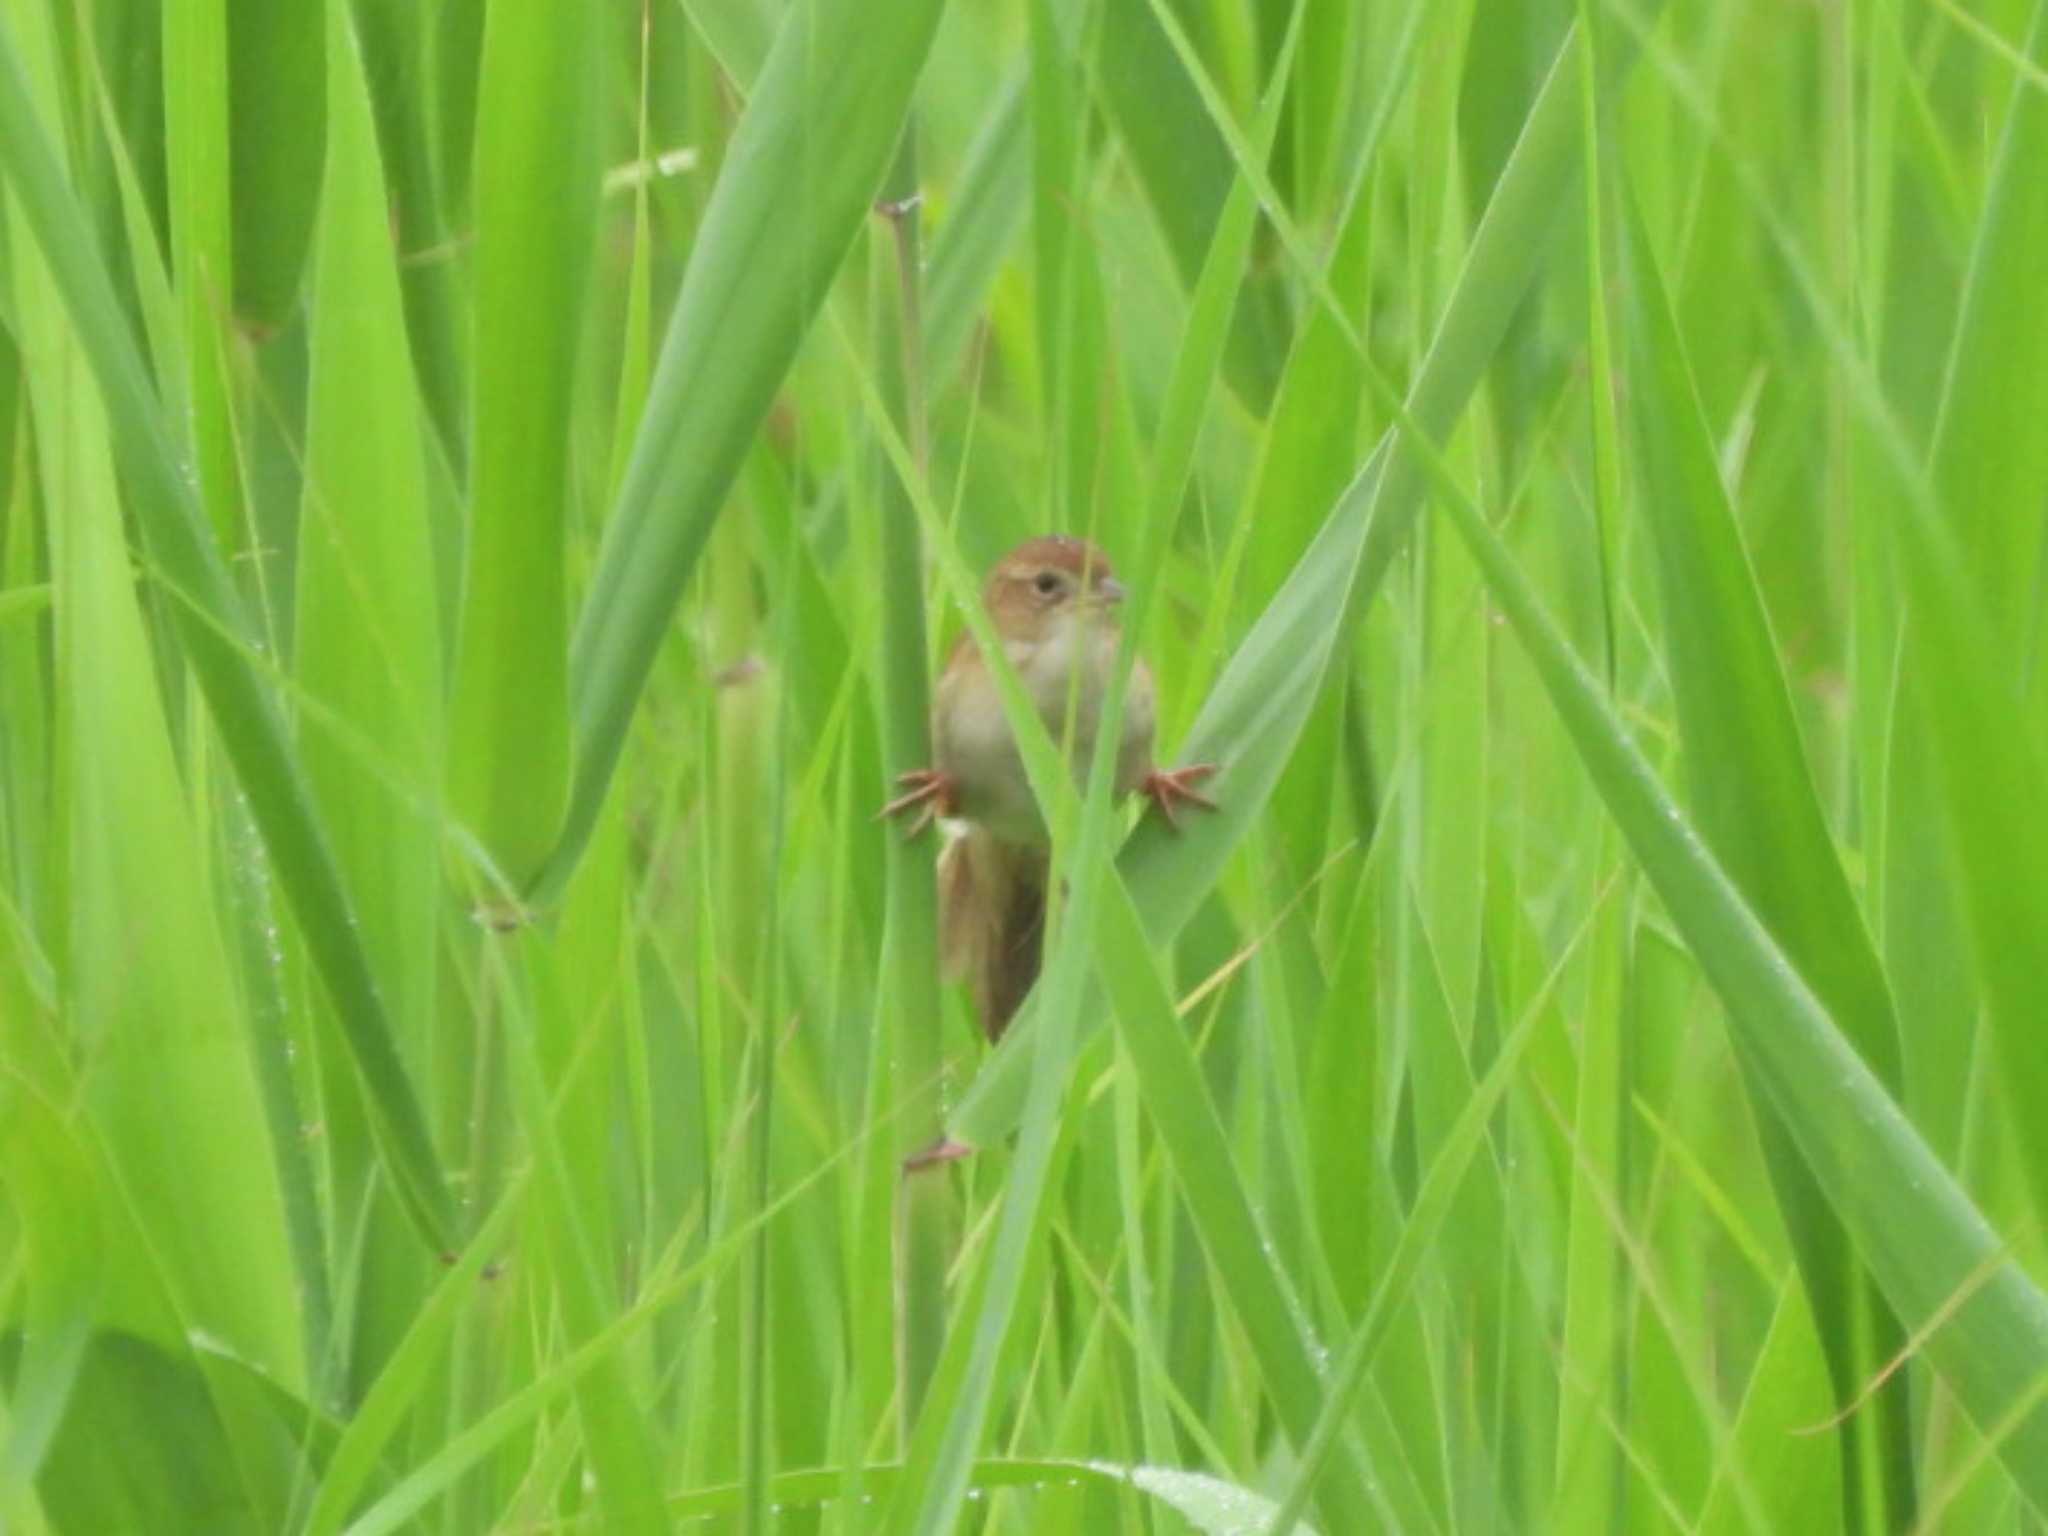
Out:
{"x": 1067, "y": 676}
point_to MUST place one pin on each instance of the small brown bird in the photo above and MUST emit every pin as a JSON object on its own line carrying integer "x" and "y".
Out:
{"x": 1053, "y": 601}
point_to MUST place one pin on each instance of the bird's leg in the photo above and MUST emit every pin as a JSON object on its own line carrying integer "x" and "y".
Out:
{"x": 1169, "y": 787}
{"x": 929, "y": 791}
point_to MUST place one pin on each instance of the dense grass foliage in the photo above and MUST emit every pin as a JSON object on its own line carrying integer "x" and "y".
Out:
{"x": 483, "y": 489}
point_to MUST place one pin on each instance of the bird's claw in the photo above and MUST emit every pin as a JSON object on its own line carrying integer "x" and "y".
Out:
{"x": 929, "y": 791}
{"x": 1169, "y": 787}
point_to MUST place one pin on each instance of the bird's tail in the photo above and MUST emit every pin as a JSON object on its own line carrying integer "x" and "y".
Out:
{"x": 992, "y": 922}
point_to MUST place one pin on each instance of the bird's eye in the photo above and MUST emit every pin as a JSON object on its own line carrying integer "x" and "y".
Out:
{"x": 1047, "y": 582}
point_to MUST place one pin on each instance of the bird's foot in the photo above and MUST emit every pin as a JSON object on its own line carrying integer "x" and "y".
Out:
{"x": 928, "y": 791}
{"x": 1170, "y": 787}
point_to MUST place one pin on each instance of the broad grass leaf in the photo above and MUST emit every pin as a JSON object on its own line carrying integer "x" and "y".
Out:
{"x": 277, "y": 125}
{"x": 536, "y": 174}
{"x": 218, "y": 640}
{"x": 1938, "y": 1262}
{"x": 1971, "y": 643}
{"x": 166, "y": 1081}
{"x": 799, "y": 176}
{"x": 1753, "y": 797}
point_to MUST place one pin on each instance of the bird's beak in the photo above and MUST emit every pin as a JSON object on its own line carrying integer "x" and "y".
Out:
{"x": 1110, "y": 591}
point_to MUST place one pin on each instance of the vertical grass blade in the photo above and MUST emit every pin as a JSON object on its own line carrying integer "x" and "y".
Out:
{"x": 367, "y": 654}
{"x": 1990, "y": 455}
{"x": 536, "y": 214}
{"x": 1588, "y": 1467}
{"x": 1982, "y": 1321}
{"x": 1973, "y": 585}
{"x": 202, "y": 256}
{"x": 1753, "y": 793}
{"x": 167, "y": 1080}
{"x": 907, "y": 1081}
{"x": 214, "y": 632}
{"x": 1185, "y": 169}
{"x": 172, "y": 1086}
{"x": 800, "y": 174}
{"x": 277, "y": 71}
{"x": 1755, "y": 803}
{"x": 550, "y": 1044}
{"x": 397, "y": 41}
{"x": 368, "y": 649}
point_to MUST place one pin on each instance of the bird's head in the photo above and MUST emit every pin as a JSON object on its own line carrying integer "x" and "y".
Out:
{"x": 1045, "y": 585}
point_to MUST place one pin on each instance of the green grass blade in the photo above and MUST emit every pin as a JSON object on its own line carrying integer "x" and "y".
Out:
{"x": 352, "y": 1465}
{"x": 536, "y": 215}
{"x": 397, "y": 41}
{"x": 277, "y": 121}
{"x": 367, "y": 654}
{"x": 1592, "y": 1358}
{"x": 1240, "y": 1253}
{"x": 1185, "y": 168}
{"x": 183, "y": 1128}
{"x": 1211, "y": 1505}
{"x": 800, "y": 175}
{"x": 1937, "y": 1260}
{"x": 905, "y": 1089}
{"x": 979, "y": 227}
{"x": 368, "y": 651}
{"x": 1251, "y": 718}
{"x": 1973, "y": 584}
{"x": 1754, "y": 800}
{"x": 739, "y": 34}
{"x": 1990, "y": 457}
{"x": 212, "y": 627}
{"x": 195, "y": 56}
{"x": 51, "y": 1190}
{"x": 549, "y": 1044}
{"x": 1772, "y": 1444}
{"x": 1753, "y": 794}
{"x": 1432, "y": 1208}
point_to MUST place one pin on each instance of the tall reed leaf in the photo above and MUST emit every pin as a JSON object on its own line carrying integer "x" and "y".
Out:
{"x": 1973, "y": 633}
{"x": 1981, "y": 1321}
{"x": 215, "y": 633}
{"x": 536, "y": 212}
{"x": 167, "y": 1081}
{"x": 801, "y": 172}
{"x": 1752, "y": 791}
{"x": 202, "y": 256}
{"x": 907, "y": 1065}
{"x": 368, "y": 648}
{"x": 170, "y": 1083}
{"x": 1753, "y": 798}
{"x": 277, "y": 74}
